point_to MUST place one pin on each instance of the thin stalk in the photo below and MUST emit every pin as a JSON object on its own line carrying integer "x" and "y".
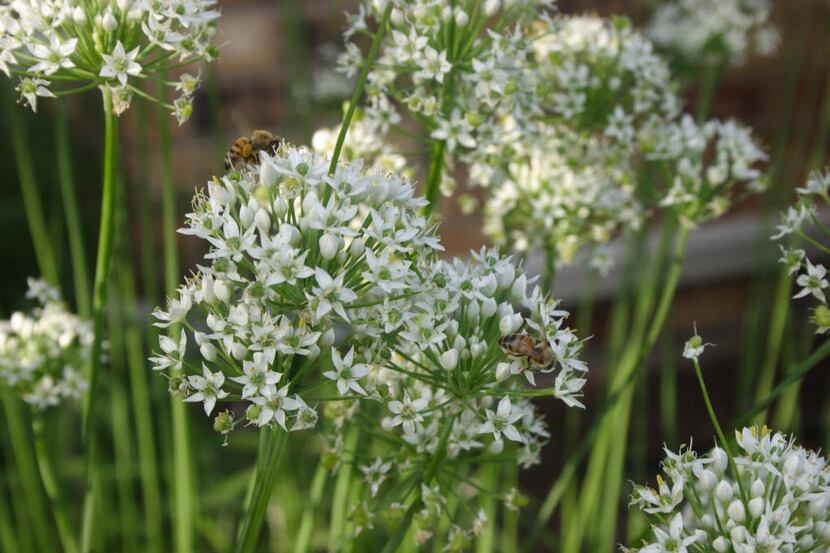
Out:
{"x": 711, "y": 78}
{"x": 775, "y": 336}
{"x": 77, "y": 251}
{"x": 721, "y": 438}
{"x": 184, "y": 489}
{"x": 489, "y": 476}
{"x": 510, "y": 518}
{"x": 786, "y": 412}
{"x": 432, "y": 187}
{"x": 668, "y": 390}
{"x": 361, "y": 83}
{"x": 24, "y": 460}
{"x": 8, "y": 539}
{"x": 99, "y": 297}
{"x": 318, "y": 484}
{"x": 268, "y": 465}
{"x": 69, "y": 542}
{"x": 793, "y": 376}
{"x": 340, "y": 500}
{"x": 29, "y": 190}
{"x": 438, "y": 456}
{"x": 142, "y": 412}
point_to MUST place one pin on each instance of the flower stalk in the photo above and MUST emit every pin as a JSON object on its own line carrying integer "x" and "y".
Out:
{"x": 102, "y": 265}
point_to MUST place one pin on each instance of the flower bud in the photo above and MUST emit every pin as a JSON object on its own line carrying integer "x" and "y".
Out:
{"x": 724, "y": 491}
{"x": 488, "y": 307}
{"x": 459, "y": 343}
{"x": 519, "y": 290}
{"x": 496, "y": 447}
{"x": 707, "y": 479}
{"x": 505, "y": 274}
{"x": 449, "y": 359}
{"x": 290, "y": 232}
{"x": 736, "y": 511}
{"x": 756, "y": 506}
{"x": 737, "y": 533}
{"x": 238, "y": 351}
{"x": 721, "y": 460}
{"x": 262, "y": 220}
{"x": 327, "y": 339}
{"x": 328, "y": 246}
{"x": 461, "y": 18}
{"x": 757, "y": 489}
{"x": 222, "y": 291}
{"x": 268, "y": 176}
{"x": 208, "y": 351}
{"x": 280, "y": 207}
{"x": 357, "y": 247}
{"x": 78, "y": 16}
{"x": 473, "y": 311}
{"x": 491, "y": 7}
{"x": 505, "y": 309}
{"x": 108, "y": 22}
{"x": 246, "y": 216}
{"x": 721, "y": 545}
{"x": 502, "y": 371}
{"x": 488, "y": 285}
{"x": 509, "y": 325}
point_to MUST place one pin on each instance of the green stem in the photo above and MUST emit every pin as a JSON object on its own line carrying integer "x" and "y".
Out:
{"x": 142, "y": 412}
{"x": 775, "y": 336}
{"x": 432, "y": 188}
{"x": 99, "y": 292}
{"x": 711, "y": 78}
{"x": 29, "y": 190}
{"x": 8, "y": 539}
{"x": 432, "y": 469}
{"x": 340, "y": 500}
{"x": 80, "y": 273}
{"x": 318, "y": 484}
{"x": 24, "y": 460}
{"x": 271, "y": 446}
{"x": 361, "y": 83}
{"x": 489, "y": 476}
{"x": 793, "y": 376}
{"x": 721, "y": 438}
{"x": 50, "y": 484}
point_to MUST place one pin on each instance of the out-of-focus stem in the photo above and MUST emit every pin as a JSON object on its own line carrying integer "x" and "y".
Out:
{"x": 318, "y": 484}
{"x": 102, "y": 263}
{"x": 80, "y": 274}
{"x": 775, "y": 335}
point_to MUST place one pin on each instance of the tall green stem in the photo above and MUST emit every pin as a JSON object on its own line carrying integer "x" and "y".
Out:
{"x": 711, "y": 78}
{"x": 31, "y": 196}
{"x": 102, "y": 264}
{"x": 80, "y": 274}
{"x": 318, "y": 484}
{"x": 361, "y": 84}
{"x": 50, "y": 484}
{"x": 775, "y": 336}
{"x": 340, "y": 500}
{"x": 272, "y": 444}
{"x": 24, "y": 460}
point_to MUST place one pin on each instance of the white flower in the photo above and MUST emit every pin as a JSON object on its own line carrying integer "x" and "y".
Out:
{"x": 120, "y": 64}
{"x": 674, "y": 541}
{"x": 813, "y": 282}
{"x": 347, "y": 373}
{"x": 455, "y": 130}
{"x": 273, "y": 404}
{"x": 434, "y": 64}
{"x": 375, "y": 474}
{"x": 208, "y": 388}
{"x": 501, "y": 422}
{"x": 407, "y": 412}
{"x": 258, "y": 376}
{"x": 694, "y": 347}
{"x": 52, "y": 57}
{"x": 30, "y": 89}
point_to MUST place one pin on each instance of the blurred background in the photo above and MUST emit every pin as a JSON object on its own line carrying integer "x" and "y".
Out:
{"x": 276, "y": 72}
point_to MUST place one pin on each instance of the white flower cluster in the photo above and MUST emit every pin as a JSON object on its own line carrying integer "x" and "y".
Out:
{"x": 782, "y": 502}
{"x": 600, "y": 75}
{"x": 563, "y": 191}
{"x": 454, "y": 70}
{"x": 294, "y": 252}
{"x": 812, "y": 277}
{"x": 448, "y": 385}
{"x": 709, "y": 165}
{"x": 43, "y": 353}
{"x": 572, "y": 181}
{"x": 106, "y": 43}
{"x": 715, "y": 30}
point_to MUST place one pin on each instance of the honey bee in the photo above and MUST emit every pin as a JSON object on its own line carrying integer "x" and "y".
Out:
{"x": 245, "y": 150}
{"x": 537, "y": 352}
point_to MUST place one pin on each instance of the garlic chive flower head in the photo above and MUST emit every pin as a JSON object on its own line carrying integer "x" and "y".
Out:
{"x": 786, "y": 508}
{"x": 454, "y": 71}
{"x": 43, "y": 353}
{"x": 68, "y": 46}
{"x": 714, "y": 31}
{"x": 446, "y": 388}
{"x": 293, "y": 253}
{"x": 709, "y": 165}
{"x": 571, "y": 182}
{"x": 801, "y": 222}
